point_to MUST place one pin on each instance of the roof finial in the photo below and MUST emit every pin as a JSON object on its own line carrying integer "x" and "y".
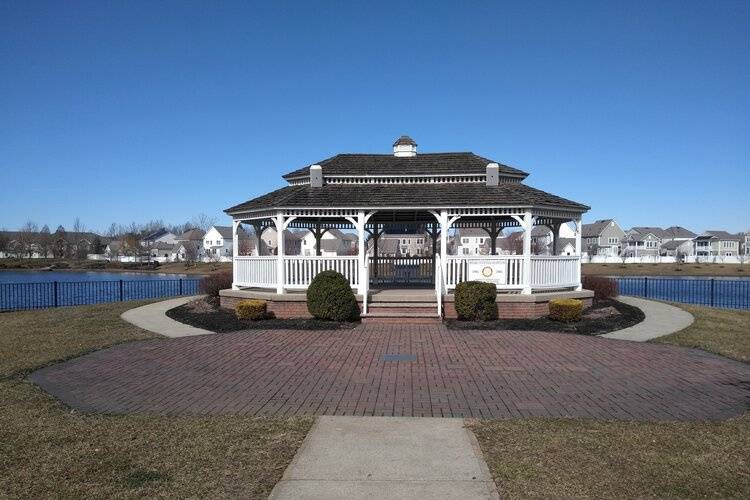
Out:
{"x": 405, "y": 146}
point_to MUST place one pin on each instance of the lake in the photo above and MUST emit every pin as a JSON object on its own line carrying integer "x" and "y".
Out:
{"x": 21, "y": 290}
{"x": 724, "y": 292}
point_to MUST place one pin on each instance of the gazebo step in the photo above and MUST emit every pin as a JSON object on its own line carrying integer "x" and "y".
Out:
{"x": 403, "y": 308}
{"x": 401, "y": 318}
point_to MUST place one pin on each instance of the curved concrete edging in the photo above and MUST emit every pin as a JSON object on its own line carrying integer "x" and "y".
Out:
{"x": 661, "y": 319}
{"x": 153, "y": 317}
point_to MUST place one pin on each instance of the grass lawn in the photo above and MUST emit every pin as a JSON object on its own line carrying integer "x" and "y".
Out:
{"x": 666, "y": 269}
{"x": 555, "y": 458}
{"x": 48, "y": 450}
{"x": 722, "y": 331}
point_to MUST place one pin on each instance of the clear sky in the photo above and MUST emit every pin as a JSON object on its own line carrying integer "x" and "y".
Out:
{"x": 131, "y": 111}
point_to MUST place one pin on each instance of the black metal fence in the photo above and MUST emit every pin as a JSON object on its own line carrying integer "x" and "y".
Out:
{"x": 728, "y": 294}
{"x": 23, "y": 296}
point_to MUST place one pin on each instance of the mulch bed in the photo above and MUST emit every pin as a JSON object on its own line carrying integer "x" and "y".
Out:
{"x": 603, "y": 317}
{"x": 206, "y": 314}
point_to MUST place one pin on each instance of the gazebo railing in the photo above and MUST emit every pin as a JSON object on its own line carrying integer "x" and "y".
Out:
{"x": 259, "y": 272}
{"x": 547, "y": 272}
{"x": 299, "y": 271}
{"x": 457, "y": 269}
{"x": 555, "y": 271}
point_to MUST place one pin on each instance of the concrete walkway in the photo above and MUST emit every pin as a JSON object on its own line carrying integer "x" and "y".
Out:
{"x": 661, "y": 319}
{"x": 375, "y": 457}
{"x": 153, "y": 317}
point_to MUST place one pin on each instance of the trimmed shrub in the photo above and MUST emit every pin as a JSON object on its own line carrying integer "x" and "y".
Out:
{"x": 330, "y": 296}
{"x": 565, "y": 310}
{"x": 475, "y": 300}
{"x": 253, "y": 309}
{"x": 211, "y": 284}
{"x": 603, "y": 287}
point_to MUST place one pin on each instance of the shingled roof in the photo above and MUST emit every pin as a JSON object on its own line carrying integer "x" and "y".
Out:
{"x": 406, "y": 196}
{"x": 421, "y": 164}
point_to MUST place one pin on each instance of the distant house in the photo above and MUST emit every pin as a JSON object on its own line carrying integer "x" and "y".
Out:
{"x": 218, "y": 243}
{"x": 397, "y": 241}
{"x": 603, "y": 237}
{"x": 333, "y": 242}
{"x": 163, "y": 252}
{"x": 159, "y": 236}
{"x": 542, "y": 239}
{"x": 189, "y": 246}
{"x": 472, "y": 241}
{"x": 642, "y": 242}
{"x": 44, "y": 245}
{"x": 717, "y": 243}
{"x": 746, "y": 244}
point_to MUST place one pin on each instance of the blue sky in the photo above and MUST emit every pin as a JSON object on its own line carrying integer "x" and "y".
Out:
{"x": 131, "y": 111}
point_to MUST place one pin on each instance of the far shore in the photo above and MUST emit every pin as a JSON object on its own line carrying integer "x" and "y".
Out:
{"x": 19, "y": 265}
{"x": 617, "y": 269}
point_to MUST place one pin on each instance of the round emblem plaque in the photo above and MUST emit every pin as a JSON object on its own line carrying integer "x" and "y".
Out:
{"x": 487, "y": 271}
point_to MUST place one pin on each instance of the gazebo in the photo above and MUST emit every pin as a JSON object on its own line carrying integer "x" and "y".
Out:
{"x": 366, "y": 193}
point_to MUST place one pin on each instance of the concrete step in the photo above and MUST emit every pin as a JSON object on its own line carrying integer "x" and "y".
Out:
{"x": 402, "y": 320}
{"x": 431, "y": 303}
{"x": 401, "y": 314}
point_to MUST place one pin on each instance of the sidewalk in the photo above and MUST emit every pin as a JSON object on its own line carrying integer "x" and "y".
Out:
{"x": 661, "y": 319}
{"x": 394, "y": 457}
{"x": 153, "y": 317}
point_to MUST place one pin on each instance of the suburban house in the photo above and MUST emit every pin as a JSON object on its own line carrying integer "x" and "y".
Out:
{"x": 218, "y": 245}
{"x": 472, "y": 241}
{"x": 717, "y": 244}
{"x": 159, "y": 236}
{"x": 189, "y": 246}
{"x": 543, "y": 239}
{"x": 603, "y": 237}
{"x": 642, "y": 242}
{"x": 746, "y": 244}
{"x": 402, "y": 241}
{"x": 440, "y": 192}
{"x": 332, "y": 242}
{"x": 162, "y": 252}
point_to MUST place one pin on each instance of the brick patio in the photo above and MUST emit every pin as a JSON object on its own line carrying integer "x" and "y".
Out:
{"x": 453, "y": 374}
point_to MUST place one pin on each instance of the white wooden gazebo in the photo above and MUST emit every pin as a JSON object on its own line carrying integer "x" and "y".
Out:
{"x": 439, "y": 191}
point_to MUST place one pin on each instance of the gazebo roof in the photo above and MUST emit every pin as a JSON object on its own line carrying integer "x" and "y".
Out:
{"x": 406, "y": 196}
{"x": 422, "y": 164}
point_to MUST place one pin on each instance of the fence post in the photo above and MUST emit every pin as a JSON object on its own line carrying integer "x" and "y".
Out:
{"x": 54, "y": 290}
{"x": 712, "y": 292}
{"x": 121, "y": 291}
{"x": 180, "y": 286}
{"x": 645, "y": 287}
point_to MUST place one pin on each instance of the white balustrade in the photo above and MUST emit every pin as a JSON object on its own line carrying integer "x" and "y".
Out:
{"x": 299, "y": 271}
{"x": 457, "y": 269}
{"x": 259, "y": 272}
{"x": 555, "y": 271}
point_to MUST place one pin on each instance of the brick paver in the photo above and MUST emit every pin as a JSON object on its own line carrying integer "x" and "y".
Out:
{"x": 448, "y": 374}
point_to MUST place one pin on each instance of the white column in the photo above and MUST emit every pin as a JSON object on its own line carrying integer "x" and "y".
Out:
{"x": 578, "y": 250}
{"x": 528, "y": 223}
{"x": 235, "y": 252}
{"x": 279, "y": 223}
{"x": 362, "y": 254}
{"x": 444, "y": 228}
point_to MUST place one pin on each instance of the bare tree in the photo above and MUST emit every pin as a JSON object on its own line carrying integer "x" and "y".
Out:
{"x": 79, "y": 247}
{"x": 203, "y": 222}
{"x": 45, "y": 241}
{"x": 4, "y": 240}
{"x": 27, "y": 237}
{"x": 192, "y": 251}
{"x": 60, "y": 243}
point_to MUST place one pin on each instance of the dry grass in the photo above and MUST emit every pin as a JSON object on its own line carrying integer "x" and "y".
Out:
{"x": 721, "y": 331}
{"x": 575, "y": 458}
{"x": 46, "y": 450}
{"x": 537, "y": 458}
{"x": 666, "y": 269}
{"x": 30, "y": 339}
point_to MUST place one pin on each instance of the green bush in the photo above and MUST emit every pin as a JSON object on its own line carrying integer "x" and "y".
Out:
{"x": 475, "y": 300}
{"x": 251, "y": 309}
{"x": 330, "y": 296}
{"x": 565, "y": 310}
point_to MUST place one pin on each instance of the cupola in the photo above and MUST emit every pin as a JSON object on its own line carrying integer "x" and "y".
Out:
{"x": 404, "y": 146}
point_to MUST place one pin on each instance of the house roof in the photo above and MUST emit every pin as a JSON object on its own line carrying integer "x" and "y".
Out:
{"x": 224, "y": 231}
{"x": 160, "y": 245}
{"x": 472, "y": 232}
{"x": 723, "y": 235}
{"x": 672, "y": 245}
{"x": 562, "y": 242}
{"x": 644, "y": 230}
{"x": 405, "y": 195}
{"x": 678, "y": 232}
{"x": 192, "y": 234}
{"x": 156, "y": 234}
{"x": 358, "y": 164}
{"x": 404, "y": 140}
{"x": 595, "y": 228}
